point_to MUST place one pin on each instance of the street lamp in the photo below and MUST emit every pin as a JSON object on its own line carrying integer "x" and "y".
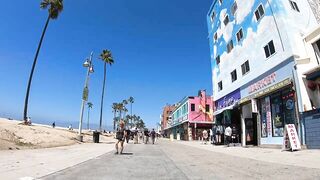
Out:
{"x": 87, "y": 64}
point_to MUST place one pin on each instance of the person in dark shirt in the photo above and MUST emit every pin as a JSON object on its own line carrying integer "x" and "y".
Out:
{"x": 146, "y": 135}
{"x": 120, "y": 136}
{"x": 153, "y": 136}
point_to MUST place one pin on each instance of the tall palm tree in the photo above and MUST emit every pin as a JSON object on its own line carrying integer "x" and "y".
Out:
{"x": 89, "y": 107}
{"x": 125, "y": 110}
{"x": 54, "y": 7}
{"x": 114, "y": 110}
{"x": 131, "y": 100}
{"x": 106, "y": 57}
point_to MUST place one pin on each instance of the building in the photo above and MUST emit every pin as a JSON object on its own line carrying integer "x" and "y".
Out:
{"x": 190, "y": 117}
{"x": 166, "y": 116}
{"x": 259, "y": 60}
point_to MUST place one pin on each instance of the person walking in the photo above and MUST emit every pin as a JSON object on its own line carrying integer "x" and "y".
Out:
{"x": 120, "y": 136}
{"x": 205, "y": 136}
{"x": 53, "y": 124}
{"x": 214, "y": 133}
{"x": 135, "y": 136}
{"x": 153, "y": 136}
{"x": 146, "y": 136}
{"x": 227, "y": 133}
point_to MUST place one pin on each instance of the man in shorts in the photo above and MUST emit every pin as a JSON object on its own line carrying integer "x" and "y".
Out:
{"x": 120, "y": 136}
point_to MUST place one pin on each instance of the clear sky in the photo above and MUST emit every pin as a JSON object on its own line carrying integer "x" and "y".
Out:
{"x": 160, "y": 48}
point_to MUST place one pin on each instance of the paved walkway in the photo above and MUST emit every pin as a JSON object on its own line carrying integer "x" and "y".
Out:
{"x": 303, "y": 158}
{"x": 34, "y": 163}
{"x": 177, "y": 161}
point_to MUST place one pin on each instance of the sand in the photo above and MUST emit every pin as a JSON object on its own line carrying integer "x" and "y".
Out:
{"x": 15, "y": 136}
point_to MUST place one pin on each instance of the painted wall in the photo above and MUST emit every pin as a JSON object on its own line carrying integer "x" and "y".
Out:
{"x": 200, "y": 114}
{"x": 279, "y": 23}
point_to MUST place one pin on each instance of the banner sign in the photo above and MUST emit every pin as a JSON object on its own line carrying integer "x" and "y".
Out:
{"x": 290, "y": 139}
{"x": 228, "y": 100}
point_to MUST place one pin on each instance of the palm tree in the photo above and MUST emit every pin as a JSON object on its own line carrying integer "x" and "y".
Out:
{"x": 125, "y": 110}
{"x": 89, "y": 107}
{"x": 114, "y": 110}
{"x": 54, "y": 7}
{"x": 131, "y": 100}
{"x": 106, "y": 57}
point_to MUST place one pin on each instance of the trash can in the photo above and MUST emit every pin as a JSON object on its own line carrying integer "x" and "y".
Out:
{"x": 96, "y": 136}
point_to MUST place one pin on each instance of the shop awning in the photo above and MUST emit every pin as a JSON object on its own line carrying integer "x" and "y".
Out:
{"x": 313, "y": 74}
{"x": 225, "y": 108}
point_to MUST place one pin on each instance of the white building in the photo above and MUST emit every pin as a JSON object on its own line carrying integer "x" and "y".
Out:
{"x": 261, "y": 51}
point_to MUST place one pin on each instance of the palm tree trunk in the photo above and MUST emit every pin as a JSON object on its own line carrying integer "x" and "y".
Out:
{"x": 131, "y": 113}
{"x": 102, "y": 96}
{"x": 114, "y": 120}
{"x": 25, "y": 111}
{"x": 88, "y": 118}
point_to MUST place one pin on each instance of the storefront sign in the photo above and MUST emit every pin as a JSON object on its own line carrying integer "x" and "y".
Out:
{"x": 228, "y": 100}
{"x": 262, "y": 83}
{"x": 290, "y": 139}
{"x": 267, "y": 90}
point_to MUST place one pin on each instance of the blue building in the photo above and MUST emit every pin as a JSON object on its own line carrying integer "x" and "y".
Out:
{"x": 259, "y": 60}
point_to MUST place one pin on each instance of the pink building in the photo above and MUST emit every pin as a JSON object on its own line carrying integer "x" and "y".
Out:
{"x": 191, "y": 116}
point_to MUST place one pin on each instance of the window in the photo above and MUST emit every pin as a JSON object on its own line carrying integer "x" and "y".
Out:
{"x": 234, "y": 75}
{"x": 226, "y": 20}
{"x": 220, "y": 86}
{"x": 193, "y": 107}
{"x": 269, "y": 49}
{"x": 245, "y": 68}
{"x": 239, "y": 35}
{"x": 215, "y": 37}
{"x": 218, "y": 59}
{"x": 167, "y": 118}
{"x": 212, "y": 16}
{"x": 207, "y": 108}
{"x": 234, "y": 8}
{"x": 229, "y": 46}
{"x": 294, "y": 5}
{"x": 259, "y": 12}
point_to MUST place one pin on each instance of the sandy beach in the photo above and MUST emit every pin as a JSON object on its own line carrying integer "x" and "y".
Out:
{"x": 15, "y": 136}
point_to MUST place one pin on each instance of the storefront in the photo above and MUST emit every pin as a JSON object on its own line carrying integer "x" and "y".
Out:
{"x": 269, "y": 104}
{"x": 227, "y": 112}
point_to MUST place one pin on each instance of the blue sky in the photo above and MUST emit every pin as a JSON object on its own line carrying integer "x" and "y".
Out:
{"x": 160, "y": 48}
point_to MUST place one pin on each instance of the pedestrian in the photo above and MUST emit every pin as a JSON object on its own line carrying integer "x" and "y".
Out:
{"x": 227, "y": 133}
{"x": 153, "y": 136}
{"x": 128, "y": 135}
{"x": 135, "y": 136}
{"x": 53, "y": 124}
{"x": 120, "y": 136}
{"x": 234, "y": 135}
{"x": 205, "y": 136}
{"x": 214, "y": 133}
{"x": 219, "y": 132}
{"x": 146, "y": 136}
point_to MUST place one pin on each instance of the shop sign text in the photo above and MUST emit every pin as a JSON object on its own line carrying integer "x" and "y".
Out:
{"x": 262, "y": 83}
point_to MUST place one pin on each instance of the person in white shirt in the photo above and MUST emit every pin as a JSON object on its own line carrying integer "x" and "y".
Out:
{"x": 205, "y": 136}
{"x": 227, "y": 133}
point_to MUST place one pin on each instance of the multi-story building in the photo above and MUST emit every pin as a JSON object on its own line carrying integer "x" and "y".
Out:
{"x": 191, "y": 116}
{"x": 166, "y": 116}
{"x": 258, "y": 60}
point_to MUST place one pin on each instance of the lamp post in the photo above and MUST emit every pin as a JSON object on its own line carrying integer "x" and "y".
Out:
{"x": 87, "y": 64}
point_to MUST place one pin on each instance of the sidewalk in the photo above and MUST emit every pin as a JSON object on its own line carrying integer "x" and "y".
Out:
{"x": 302, "y": 158}
{"x": 36, "y": 163}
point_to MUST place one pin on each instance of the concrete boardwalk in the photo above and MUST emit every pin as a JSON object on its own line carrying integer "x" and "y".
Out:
{"x": 35, "y": 163}
{"x": 303, "y": 158}
{"x": 185, "y": 160}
